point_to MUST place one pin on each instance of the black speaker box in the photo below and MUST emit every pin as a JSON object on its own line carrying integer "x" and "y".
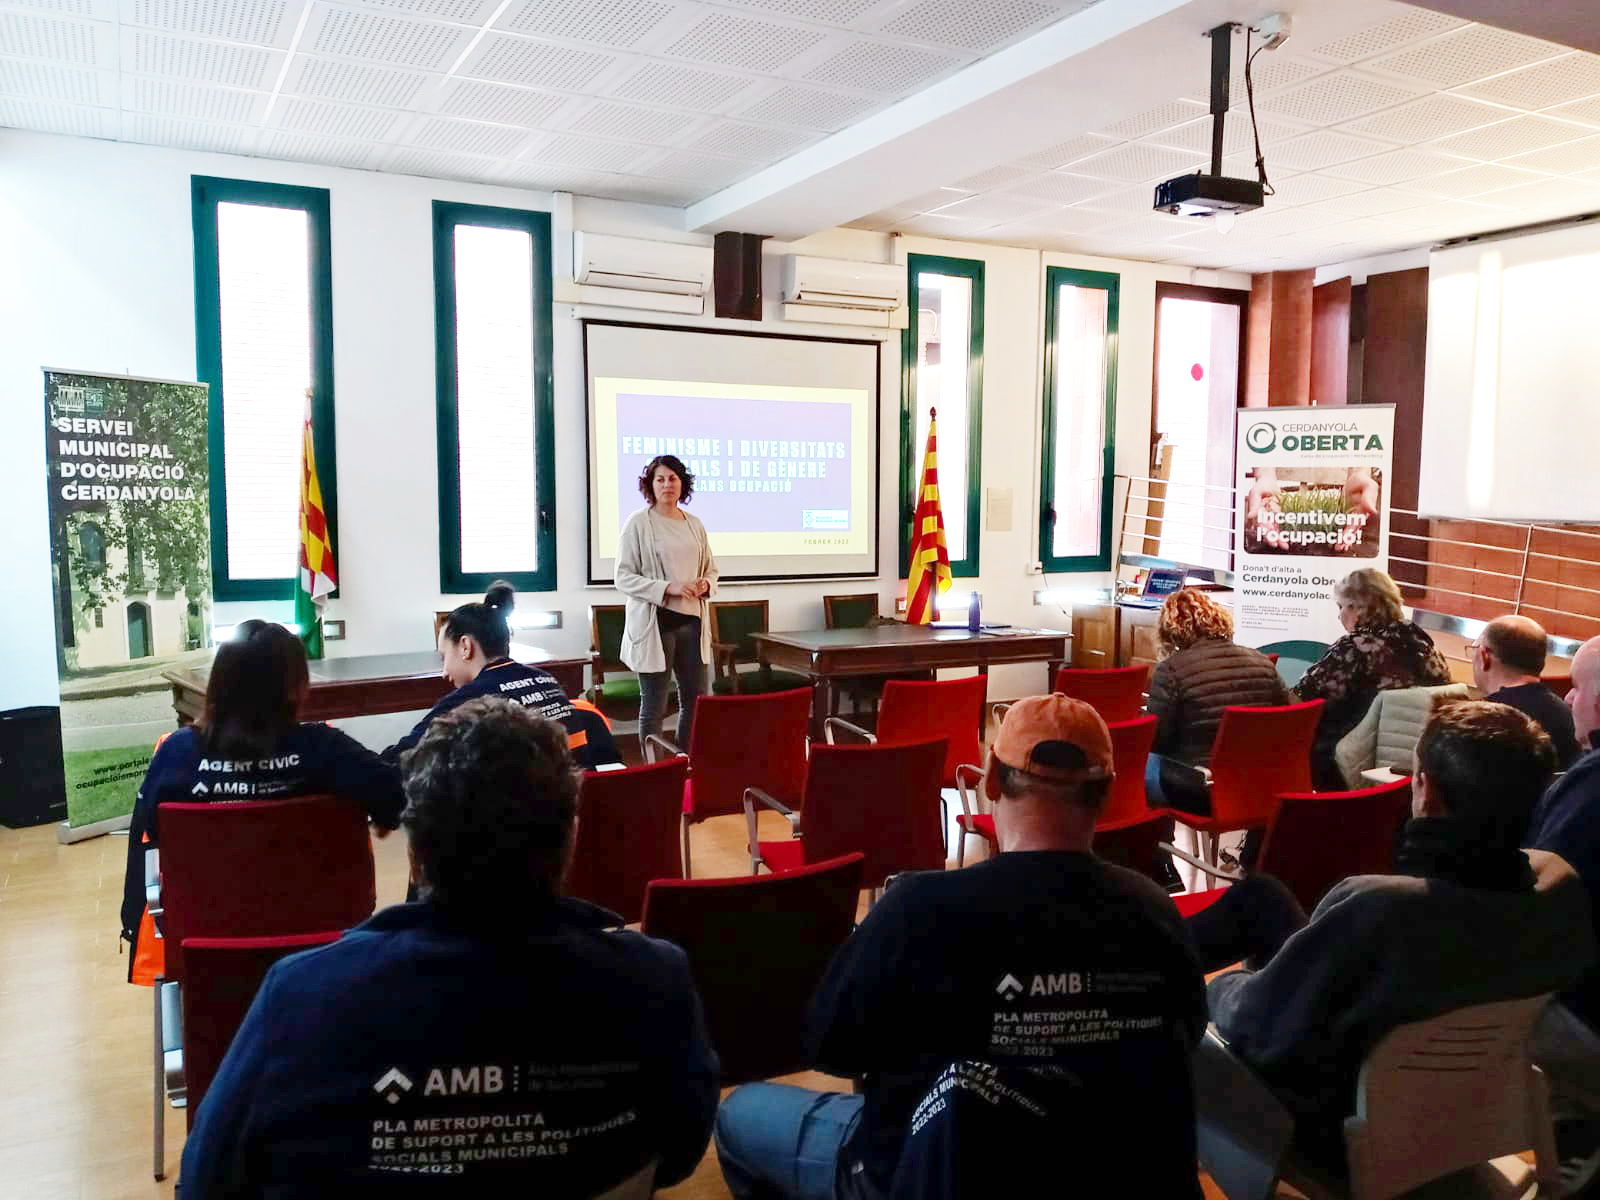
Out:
{"x": 33, "y": 781}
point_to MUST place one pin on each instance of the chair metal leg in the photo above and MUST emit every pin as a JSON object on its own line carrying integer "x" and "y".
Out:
{"x": 683, "y": 825}
{"x": 961, "y": 849}
{"x": 158, "y": 1090}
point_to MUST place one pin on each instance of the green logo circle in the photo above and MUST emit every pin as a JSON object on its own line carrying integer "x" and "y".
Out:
{"x": 1261, "y": 437}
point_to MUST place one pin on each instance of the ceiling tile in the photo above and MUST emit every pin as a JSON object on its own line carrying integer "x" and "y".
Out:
{"x": 435, "y": 164}
{"x": 56, "y": 38}
{"x": 1466, "y": 55}
{"x": 46, "y": 81}
{"x": 938, "y": 198}
{"x": 1567, "y": 159}
{"x": 706, "y": 169}
{"x": 188, "y": 135}
{"x": 467, "y": 137}
{"x": 1314, "y": 151}
{"x": 1397, "y": 166}
{"x": 1237, "y": 135}
{"x": 589, "y": 152}
{"x": 1413, "y": 25}
{"x": 759, "y": 143}
{"x": 266, "y": 22}
{"x": 1470, "y": 181}
{"x": 467, "y": 12}
{"x": 997, "y": 206}
{"x": 994, "y": 177}
{"x": 149, "y": 53}
{"x": 1140, "y": 199}
{"x": 977, "y": 27}
{"x": 881, "y": 67}
{"x": 1441, "y": 214}
{"x": 1424, "y": 120}
{"x": 540, "y": 64}
{"x": 1558, "y": 81}
{"x": 1521, "y": 135}
{"x": 1304, "y": 189}
{"x": 335, "y": 79}
{"x": 1157, "y": 227}
{"x": 826, "y": 12}
{"x": 143, "y": 94}
{"x": 939, "y": 226}
{"x": 620, "y": 23}
{"x": 1059, "y": 222}
{"x": 1135, "y": 161}
{"x": 632, "y": 122}
{"x": 1060, "y": 186}
{"x": 1374, "y": 203}
{"x": 1068, "y": 151}
{"x": 378, "y": 37}
{"x": 1341, "y": 96}
{"x": 505, "y": 105}
{"x": 337, "y": 120}
{"x": 1576, "y": 195}
{"x": 731, "y": 41}
{"x": 810, "y": 108}
{"x": 73, "y": 119}
{"x": 1175, "y": 112}
{"x": 329, "y": 152}
{"x": 1582, "y": 110}
{"x": 1269, "y": 74}
{"x": 681, "y": 87}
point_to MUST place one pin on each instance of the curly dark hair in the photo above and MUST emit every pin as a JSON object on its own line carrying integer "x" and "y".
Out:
{"x": 672, "y": 463}
{"x": 492, "y": 794}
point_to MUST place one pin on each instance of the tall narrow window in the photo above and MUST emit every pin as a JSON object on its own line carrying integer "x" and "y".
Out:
{"x": 496, "y": 446}
{"x": 263, "y": 318}
{"x": 1080, "y": 387}
{"x": 943, "y": 350}
{"x": 1198, "y": 345}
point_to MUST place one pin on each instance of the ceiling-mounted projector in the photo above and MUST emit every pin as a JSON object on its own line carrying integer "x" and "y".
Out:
{"x": 1203, "y": 195}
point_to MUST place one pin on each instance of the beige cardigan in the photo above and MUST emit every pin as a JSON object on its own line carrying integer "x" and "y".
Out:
{"x": 642, "y": 578}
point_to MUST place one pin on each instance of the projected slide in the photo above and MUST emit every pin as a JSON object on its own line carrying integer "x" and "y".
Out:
{"x": 782, "y": 461}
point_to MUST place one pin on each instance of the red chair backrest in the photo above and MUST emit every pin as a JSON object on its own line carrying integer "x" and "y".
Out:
{"x": 627, "y": 835}
{"x": 221, "y": 978}
{"x": 1116, "y": 693}
{"x": 758, "y": 946}
{"x": 1259, "y": 754}
{"x": 880, "y": 800}
{"x": 915, "y": 711}
{"x": 1315, "y": 839}
{"x": 740, "y": 742}
{"x": 1130, "y": 748}
{"x": 262, "y": 868}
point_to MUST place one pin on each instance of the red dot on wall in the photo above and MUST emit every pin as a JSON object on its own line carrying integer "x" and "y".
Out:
{"x": 1198, "y": 372}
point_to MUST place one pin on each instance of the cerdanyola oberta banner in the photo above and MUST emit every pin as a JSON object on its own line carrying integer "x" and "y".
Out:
{"x": 130, "y": 548}
{"x": 1314, "y": 506}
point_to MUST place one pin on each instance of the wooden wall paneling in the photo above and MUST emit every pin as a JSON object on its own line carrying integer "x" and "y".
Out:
{"x": 1330, "y": 343}
{"x": 1393, "y": 355}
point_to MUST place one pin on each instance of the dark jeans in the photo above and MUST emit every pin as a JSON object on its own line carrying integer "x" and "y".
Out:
{"x": 680, "y": 638}
{"x": 1249, "y": 922}
{"x": 776, "y": 1142}
{"x": 1172, "y": 783}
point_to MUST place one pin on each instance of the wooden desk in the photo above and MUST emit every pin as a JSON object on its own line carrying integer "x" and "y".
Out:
{"x": 829, "y": 654}
{"x": 368, "y": 684}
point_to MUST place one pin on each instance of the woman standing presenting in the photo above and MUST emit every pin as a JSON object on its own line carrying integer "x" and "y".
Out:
{"x": 665, "y": 568}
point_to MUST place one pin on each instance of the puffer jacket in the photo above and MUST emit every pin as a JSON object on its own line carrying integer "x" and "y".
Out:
{"x": 1190, "y": 688}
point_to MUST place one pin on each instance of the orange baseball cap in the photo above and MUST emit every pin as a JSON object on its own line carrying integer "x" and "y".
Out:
{"x": 1037, "y": 727}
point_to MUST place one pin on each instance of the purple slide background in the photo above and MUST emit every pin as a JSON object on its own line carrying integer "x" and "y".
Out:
{"x": 735, "y": 421}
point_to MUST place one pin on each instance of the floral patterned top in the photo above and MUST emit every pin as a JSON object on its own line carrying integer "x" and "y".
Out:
{"x": 1378, "y": 656}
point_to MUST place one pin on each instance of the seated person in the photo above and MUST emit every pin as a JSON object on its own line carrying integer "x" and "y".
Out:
{"x": 475, "y": 643}
{"x": 249, "y": 744}
{"x": 1201, "y": 672}
{"x": 1380, "y": 650}
{"x": 1467, "y": 919}
{"x": 1507, "y": 661}
{"x": 1567, "y": 822}
{"x": 1096, "y": 993}
{"x": 493, "y": 1039}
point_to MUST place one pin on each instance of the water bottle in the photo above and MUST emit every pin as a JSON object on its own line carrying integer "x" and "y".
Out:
{"x": 974, "y": 613}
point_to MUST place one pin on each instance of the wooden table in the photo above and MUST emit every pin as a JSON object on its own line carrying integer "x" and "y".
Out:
{"x": 366, "y": 684}
{"x": 826, "y": 655}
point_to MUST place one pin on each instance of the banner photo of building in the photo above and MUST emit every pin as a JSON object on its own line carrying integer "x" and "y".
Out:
{"x": 1313, "y": 506}
{"x": 129, "y": 541}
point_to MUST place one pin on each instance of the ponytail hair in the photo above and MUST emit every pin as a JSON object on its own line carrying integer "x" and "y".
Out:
{"x": 253, "y": 695}
{"x": 486, "y": 623}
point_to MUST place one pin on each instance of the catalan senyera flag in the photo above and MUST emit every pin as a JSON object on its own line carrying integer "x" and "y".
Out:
{"x": 316, "y": 578}
{"x": 930, "y": 556}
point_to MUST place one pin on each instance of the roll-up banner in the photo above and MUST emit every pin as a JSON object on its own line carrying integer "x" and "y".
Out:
{"x": 130, "y": 556}
{"x": 1314, "y": 506}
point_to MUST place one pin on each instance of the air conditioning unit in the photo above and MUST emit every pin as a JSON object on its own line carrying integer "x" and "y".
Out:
{"x": 840, "y": 292}
{"x": 621, "y": 272}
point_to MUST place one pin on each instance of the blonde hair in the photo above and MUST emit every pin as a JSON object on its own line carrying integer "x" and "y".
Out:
{"x": 1189, "y": 616}
{"x": 1372, "y": 593}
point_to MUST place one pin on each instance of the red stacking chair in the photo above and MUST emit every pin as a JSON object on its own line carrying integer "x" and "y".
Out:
{"x": 1258, "y": 755}
{"x": 1316, "y": 839}
{"x": 627, "y": 834}
{"x": 1116, "y": 693}
{"x": 1127, "y": 821}
{"x": 739, "y": 742}
{"x": 915, "y": 711}
{"x": 875, "y": 799}
{"x": 221, "y": 978}
{"x": 757, "y": 949}
{"x": 260, "y": 868}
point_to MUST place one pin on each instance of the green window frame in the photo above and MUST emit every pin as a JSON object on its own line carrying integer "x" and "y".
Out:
{"x": 965, "y": 567}
{"x": 447, "y": 217}
{"x": 1057, "y": 278}
{"x": 206, "y": 193}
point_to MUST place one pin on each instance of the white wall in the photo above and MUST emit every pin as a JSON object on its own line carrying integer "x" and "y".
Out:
{"x": 97, "y": 260}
